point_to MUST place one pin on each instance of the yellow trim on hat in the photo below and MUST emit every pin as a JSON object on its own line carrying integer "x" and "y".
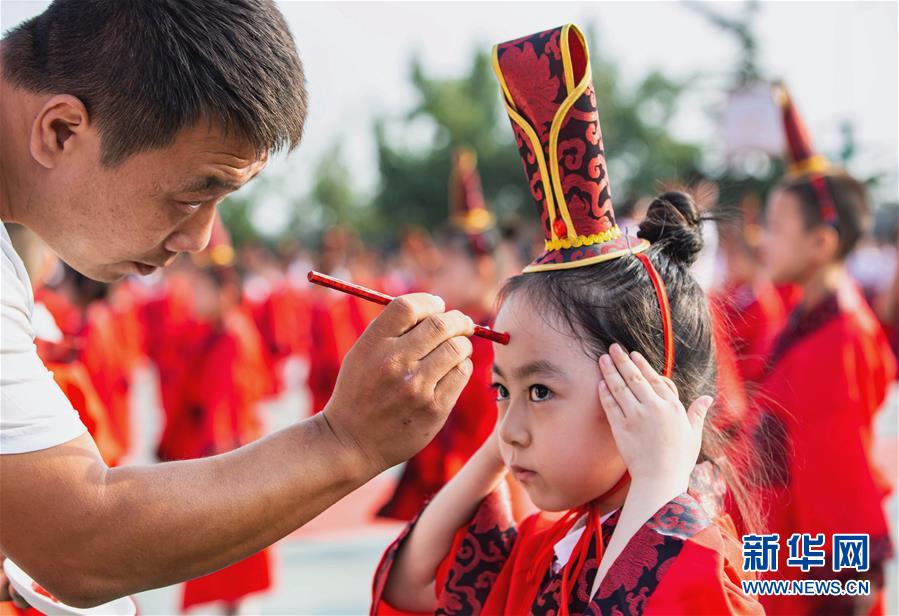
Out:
{"x": 499, "y": 75}
{"x": 474, "y": 221}
{"x": 535, "y": 145}
{"x": 552, "y": 184}
{"x": 545, "y": 267}
{"x": 815, "y": 164}
{"x": 556, "y": 126}
{"x": 566, "y": 58}
{"x": 584, "y": 240}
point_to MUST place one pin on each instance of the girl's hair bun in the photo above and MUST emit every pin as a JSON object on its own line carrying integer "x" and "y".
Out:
{"x": 674, "y": 225}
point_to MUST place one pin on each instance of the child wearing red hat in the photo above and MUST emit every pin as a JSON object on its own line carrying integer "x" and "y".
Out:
{"x": 466, "y": 279}
{"x": 592, "y": 432}
{"x": 825, "y": 379}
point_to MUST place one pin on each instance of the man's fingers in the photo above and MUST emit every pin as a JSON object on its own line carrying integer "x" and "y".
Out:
{"x": 450, "y": 386}
{"x": 617, "y": 386}
{"x": 404, "y": 312}
{"x": 430, "y": 333}
{"x": 444, "y": 358}
{"x": 698, "y": 411}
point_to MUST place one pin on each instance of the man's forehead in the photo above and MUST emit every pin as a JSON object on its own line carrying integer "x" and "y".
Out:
{"x": 224, "y": 174}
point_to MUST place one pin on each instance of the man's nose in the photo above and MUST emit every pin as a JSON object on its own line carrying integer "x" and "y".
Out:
{"x": 194, "y": 233}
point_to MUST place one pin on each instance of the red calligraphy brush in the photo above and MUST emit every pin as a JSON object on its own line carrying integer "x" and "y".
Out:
{"x": 384, "y": 299}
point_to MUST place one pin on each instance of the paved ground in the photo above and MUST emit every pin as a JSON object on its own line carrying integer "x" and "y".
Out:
{"x": 326, "y": 567}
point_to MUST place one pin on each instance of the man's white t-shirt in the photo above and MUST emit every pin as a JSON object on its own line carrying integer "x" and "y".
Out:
{"x": 34, "y": 413}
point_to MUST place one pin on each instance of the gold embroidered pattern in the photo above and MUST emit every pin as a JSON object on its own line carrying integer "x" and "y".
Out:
{"x": 584, "y": 240}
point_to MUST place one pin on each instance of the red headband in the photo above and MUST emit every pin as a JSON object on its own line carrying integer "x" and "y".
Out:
{"x": 665, "y": 308}
{"x": 828, "y": 211}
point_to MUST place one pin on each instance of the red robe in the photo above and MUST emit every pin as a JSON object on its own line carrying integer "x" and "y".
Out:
{"x": 166, "y": 317}
{"x": 679, "y": 562}
{"x": 732, "y": 403}
{"x": 282, "y": 317}
{"x": 75, "y": 382}
{"x": 101, "y": 349}
{"x": 469, "y": 424}
{"x": 336, "y": 321}
{"x": 106, "y": 356}
{"x": 826, "y": 378}
{"x": 228, "y": 377}
{"x": 752, "y": 315}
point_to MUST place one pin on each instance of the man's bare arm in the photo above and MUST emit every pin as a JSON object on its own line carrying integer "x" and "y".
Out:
{"x": 89, "y": 533}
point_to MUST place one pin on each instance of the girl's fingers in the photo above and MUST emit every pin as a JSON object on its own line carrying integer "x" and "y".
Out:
{"x": 632, "y": 375}
{"x": 613, "y": 410}
{"x": 672, "y": 387}
{"x": 698, "y": 411}
{"x": 617, "y": 386}
{"x": 662, "y": 386}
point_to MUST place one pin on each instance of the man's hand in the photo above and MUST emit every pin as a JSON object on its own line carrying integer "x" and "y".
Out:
{"x": 400, "y": 380}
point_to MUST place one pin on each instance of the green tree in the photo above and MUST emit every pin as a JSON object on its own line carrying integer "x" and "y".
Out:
{"x": 635, "y": 123}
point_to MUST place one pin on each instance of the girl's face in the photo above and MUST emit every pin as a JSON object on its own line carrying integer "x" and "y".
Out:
{"x": 554, "y": 435}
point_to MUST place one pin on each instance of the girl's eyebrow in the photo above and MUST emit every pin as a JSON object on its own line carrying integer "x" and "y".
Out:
{"x": 541, "y": 366}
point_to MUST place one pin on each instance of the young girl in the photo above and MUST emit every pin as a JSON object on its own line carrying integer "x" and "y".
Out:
{"x": 611, "y": 445}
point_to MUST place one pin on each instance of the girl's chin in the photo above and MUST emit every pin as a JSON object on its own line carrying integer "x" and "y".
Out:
{"x": 554, "y": 502}
{"x": 551, "y": 502}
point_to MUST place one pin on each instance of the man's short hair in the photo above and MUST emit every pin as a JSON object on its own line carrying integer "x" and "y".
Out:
{"x": 146, "y": 69}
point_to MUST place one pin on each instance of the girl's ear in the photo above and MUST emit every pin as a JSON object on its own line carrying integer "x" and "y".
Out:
{"x": 826, "y": 244}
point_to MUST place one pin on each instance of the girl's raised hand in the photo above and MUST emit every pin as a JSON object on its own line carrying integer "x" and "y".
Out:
{"x": 657, "y": 438}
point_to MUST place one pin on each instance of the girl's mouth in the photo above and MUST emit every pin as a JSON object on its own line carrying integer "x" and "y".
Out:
{"x": 522, "y": 474}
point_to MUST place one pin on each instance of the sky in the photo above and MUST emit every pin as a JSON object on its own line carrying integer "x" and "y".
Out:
{"x": 840, "y": 60}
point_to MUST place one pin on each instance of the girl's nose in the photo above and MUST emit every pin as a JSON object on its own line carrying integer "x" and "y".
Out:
{"x": 513, "y": 428}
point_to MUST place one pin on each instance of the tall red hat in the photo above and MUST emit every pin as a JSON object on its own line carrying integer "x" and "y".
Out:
{"x": 801, "y": 157}
{"x": 468, "y": 211}
{"x": 548, "y": 93}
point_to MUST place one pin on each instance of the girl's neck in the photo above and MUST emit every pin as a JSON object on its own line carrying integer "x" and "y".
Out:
{"x": 821, "y": 284}
{"x": 614, "y": 500}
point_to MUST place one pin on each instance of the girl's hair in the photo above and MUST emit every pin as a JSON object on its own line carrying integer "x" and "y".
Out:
{"x": 614, "y": 301}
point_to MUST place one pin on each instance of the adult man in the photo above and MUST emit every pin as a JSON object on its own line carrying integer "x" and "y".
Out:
{"x": 123, "y": 125}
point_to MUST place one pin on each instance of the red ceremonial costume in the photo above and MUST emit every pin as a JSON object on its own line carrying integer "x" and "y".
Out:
{"x": 751, "y": 309}
{"x": 474, "y": 414}
{"x": 827, "y": 376}
{"x": 681, "y": 561}
{"x": 213, "y": 374}
{"x": 60, "y": 356}
{"x": 95, "y": 332}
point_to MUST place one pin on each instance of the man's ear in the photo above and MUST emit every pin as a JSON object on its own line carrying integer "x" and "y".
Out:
{"x": 826, "y": 244}
{"x": 62, "y": 119}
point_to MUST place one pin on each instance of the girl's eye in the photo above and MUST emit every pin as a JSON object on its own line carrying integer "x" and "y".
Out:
{"x": 539, "y": 393}
{"x": 501, "y": 392}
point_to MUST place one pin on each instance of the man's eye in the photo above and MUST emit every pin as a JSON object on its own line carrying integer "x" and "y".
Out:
{"x": 501, "y": 392}
{"x": 189, "y": 207}
{"x": 539, "y": 393}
